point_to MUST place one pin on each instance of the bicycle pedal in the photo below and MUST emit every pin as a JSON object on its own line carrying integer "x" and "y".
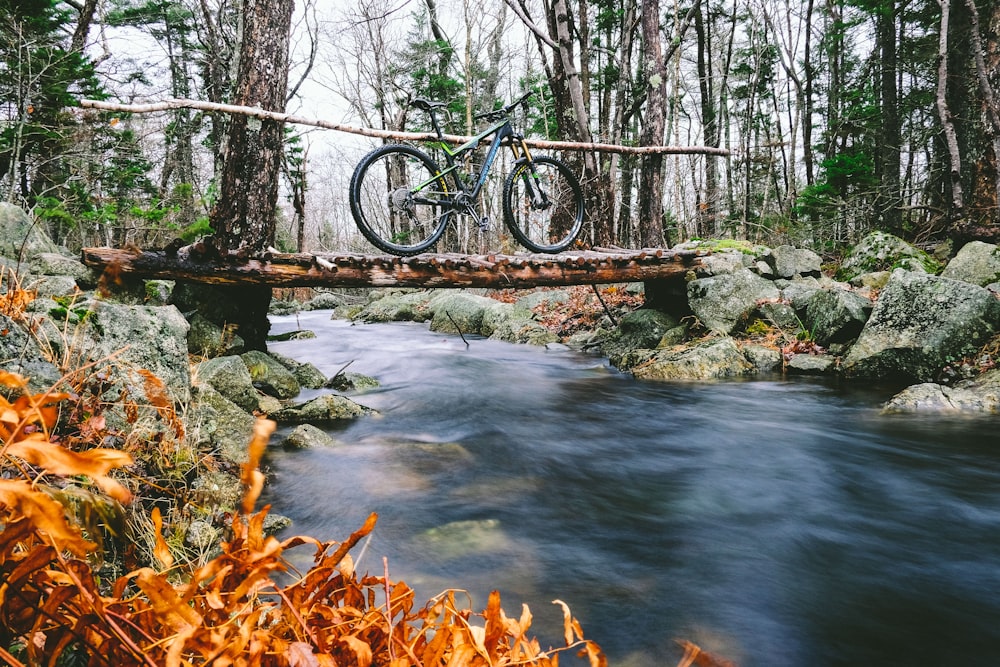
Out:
{"x": 484, "y": 224}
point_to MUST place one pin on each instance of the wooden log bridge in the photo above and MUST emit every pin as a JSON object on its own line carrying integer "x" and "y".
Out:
{"x": 276, "y": 269}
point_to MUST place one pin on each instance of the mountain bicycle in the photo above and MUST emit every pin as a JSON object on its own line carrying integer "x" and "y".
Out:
{"x": 402, "y": 200}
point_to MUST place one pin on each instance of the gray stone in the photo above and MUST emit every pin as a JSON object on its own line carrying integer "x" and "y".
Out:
{"x": 55, "y": 286}
{"x": 977, "y": 263}
{"x": 725, "y": 262}
{"x": 347, "y": 381}
{"x": 836, "y": 315}
{"x": 641, "y": 329}
{"x": 513, "y": 324}
{"x": 56, "y": 264}
{"x": 208, "y": 339}
{"x": 202, "y": 537}
{"x": 217, "y": 489}
{"x": 220, "y": 424}
{"x": 396, "y": 307}
{"x": 724, "y": 302}
{"x": 719, "y": 358}
{"x": 20, "y": 238}
{"x": 540, "y": 297}
{"x": 811, "y": 364}
{"x": 458, "y": 311}
{"x": 324, "y": 408}
{"x": 270, "y": 376}
{"x": 764, "y": 359}
{"x": 158, "y": 292}
{"x": 781, "y": 315}
{"x": 873, "y": 280}
{"x": 307, "y": 436}
{"x": 934, "y": 398}
{"x": 324, "y": 301}
{"x": 230, "y": 377}
{"x": 921, "y": 323}
{"x": 138, "y": 338}
{"x": 798, "y": 292}
{"x": 305, "y": 373}
{"x": 790, "y": 262}
{"x": 884, "y": 252}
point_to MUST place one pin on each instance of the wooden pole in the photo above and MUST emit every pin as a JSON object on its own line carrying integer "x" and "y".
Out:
{"x": 388, "y": 134}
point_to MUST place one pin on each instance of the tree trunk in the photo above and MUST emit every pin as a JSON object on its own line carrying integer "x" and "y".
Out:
{"x": 654, "y": 124}
{"x": 957, "y": 202}
{"x": 887, "y": 202}
{"x": 244, "y": 216}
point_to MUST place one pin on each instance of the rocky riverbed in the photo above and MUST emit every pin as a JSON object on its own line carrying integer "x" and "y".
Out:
{"x": 890, "y": 312}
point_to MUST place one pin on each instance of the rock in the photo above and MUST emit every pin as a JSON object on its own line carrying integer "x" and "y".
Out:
{"x": 21, "y": 353}
{"x": 208, "y": 339}
{"x": 202, "y": 537}
{"x": 457, "y": 311}
{"x": 723, "y": 302}
{"x": 150, "y": 338}
{"x": 306, "y": 374}
{"x": 282, "y": 307}
{"x": 219, "y": 424}
{"x": 921, "y": 323}
{"x": 55, "y": 286}
{"x": 884, "y": 252}
{"x": 396, "y": 307}
{"x": 725, "y": 262}
{"x": 229, "y": 376}
{"x": 56, "y": 264}
{"x": 873, "y": 280}
{"x": 301, "y": 334}
{"x": 836, "y": 315}
{"x": 977, "y": 263}
{"x": 781, "y": 315}
{"x": 158, "y": 292}
{"x": 714, "y": 359}
{"x": 542, "y": 297}
{"x": 217, "y": 489}
{"x": 329, "y": 407}
{"x": 764, "y": 359}
{"x": 20, "y": 238}
{"x": 513, "y": 324}
{"x": 270, "y": 376}
{"x": 934, "y": 398}
{"x": 790, "y": 262}
{"x": 347, "y": 381}
{"x": 324, "y": 301}
{"x": 798, "y": 292}
{"x": 811, "y": 364}
{"x": 641, "y": 329}
{"x": 307, "y": 436}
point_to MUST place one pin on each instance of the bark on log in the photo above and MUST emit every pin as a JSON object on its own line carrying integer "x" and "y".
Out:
{"x": 388, "y": 134}
{"x": 495, "y": 271}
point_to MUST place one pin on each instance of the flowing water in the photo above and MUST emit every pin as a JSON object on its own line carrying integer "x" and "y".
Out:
{"x": 773, "y": 522}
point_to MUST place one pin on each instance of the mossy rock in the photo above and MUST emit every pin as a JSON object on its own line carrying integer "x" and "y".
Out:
{"x": 880, "y": 251}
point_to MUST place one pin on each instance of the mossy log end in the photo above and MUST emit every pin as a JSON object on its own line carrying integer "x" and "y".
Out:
{"x": 427, "y": 270}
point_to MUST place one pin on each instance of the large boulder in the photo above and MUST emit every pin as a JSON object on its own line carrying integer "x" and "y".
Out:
{"x": 57, "y": 264}
{"x": 20, "y": 238}
{"x": 836, "y": 315}
{"x": 884, "y": 252}
{"x": 395, "y": 307}
{"x": 514, "y": 324}
{"x": 977, "y": 263}
{"x": 920, "y": 324}
{"x": 306, "y": 374}
{"x": 724, "y": 302}
{"x": 719, "y": 358}
{"x": 218, "y": 424}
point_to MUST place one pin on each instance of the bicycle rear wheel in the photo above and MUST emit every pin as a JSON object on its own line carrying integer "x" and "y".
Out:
{"x": 399, "y": 199}
{"x": 543, "y": 205}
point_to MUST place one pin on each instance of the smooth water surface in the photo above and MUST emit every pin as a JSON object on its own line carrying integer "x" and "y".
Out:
{"x": 771, "y": 522}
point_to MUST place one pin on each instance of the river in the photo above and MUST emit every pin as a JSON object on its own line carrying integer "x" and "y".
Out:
{"x": 773, "y": 522}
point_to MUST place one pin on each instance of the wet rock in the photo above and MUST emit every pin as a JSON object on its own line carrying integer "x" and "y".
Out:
{"x": 307, "y": 436}
{"x": 348, "y": 381}
{"x": 396, "y": 307}
{"x": 811, "y": 364}
{"x": 270, "y": 376}
{"x": 306, "y": 374}
{"x": 710, "y": 360}
{"x": 329, "y": 407}
{"x": 640, "y": 329}
{"x": 931, "y": 398}
{"x": 764, "y": 359}
{"x": 458, "y": 311}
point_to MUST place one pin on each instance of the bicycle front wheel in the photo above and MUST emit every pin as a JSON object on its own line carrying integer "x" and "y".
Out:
{"x": 399, "y": 199}
{"x": 543, "y": 204}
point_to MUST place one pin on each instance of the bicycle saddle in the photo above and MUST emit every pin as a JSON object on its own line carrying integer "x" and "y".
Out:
{"x": 426, "y": 105}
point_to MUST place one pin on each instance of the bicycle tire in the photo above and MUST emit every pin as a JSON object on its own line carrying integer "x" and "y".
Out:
{"x": 399, "y": 200}
{"x": 544, "y": 228}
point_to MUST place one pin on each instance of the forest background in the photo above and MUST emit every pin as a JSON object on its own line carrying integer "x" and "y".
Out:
{"x": 841, "y": 116}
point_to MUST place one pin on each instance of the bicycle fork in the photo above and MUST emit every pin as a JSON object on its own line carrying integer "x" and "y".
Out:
{"x": 539, "y": 200}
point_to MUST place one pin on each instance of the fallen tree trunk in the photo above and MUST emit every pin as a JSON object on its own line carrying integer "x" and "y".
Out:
{"x": 428, "y": 270}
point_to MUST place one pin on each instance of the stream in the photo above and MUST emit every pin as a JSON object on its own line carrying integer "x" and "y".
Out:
{"x": 772, "y": 522}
